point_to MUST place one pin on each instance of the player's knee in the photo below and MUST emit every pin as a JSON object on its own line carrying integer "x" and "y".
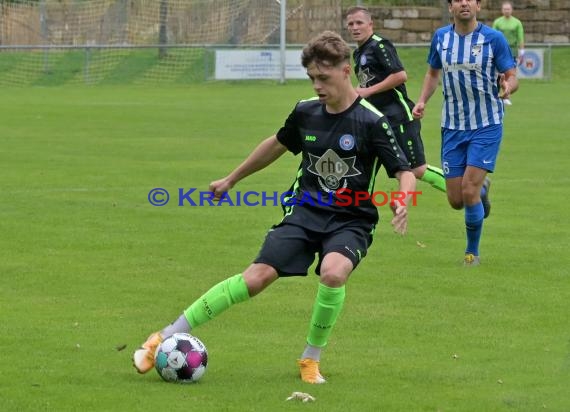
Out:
{"x": 470, "y": 193}
{"x": 334, "y": 273}
{"x": 456, "y": 202}
{"x": 335, "y": 269}
{"x": 456, "y": 205}
{"x": 332, "y": 278}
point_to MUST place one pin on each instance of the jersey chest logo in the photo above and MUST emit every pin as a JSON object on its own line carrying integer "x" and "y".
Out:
{"x": 476, "y": 50}
{"x": 364, "y": 76}
{"x": 332, "y": 169}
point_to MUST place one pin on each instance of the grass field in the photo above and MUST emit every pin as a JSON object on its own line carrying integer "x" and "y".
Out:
{"x": 88, "y": 265}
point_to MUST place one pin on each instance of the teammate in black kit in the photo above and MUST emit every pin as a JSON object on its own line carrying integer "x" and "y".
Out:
{"x": 343, "y": 141}
{"x": 382, "y": 78}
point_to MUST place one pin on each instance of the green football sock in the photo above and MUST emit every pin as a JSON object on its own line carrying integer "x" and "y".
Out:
{"x": 327, "y": 307}
{"x": 216, "y": 300}
{"x": 434, "y": 176}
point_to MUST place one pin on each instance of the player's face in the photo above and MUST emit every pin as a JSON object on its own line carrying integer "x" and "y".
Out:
{"x": 507, "y": 10}
{"x": 360, "y": 27}
{"x": 329, "y": 82}
{"x": 464, "y": 10}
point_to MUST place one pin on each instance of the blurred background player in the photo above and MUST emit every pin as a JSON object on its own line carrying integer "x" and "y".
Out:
{"x": 381, "y": 77}
{"x": 513, "y": 30}
{"x": 343, "y": 141}
{"x": 472, "y": 57}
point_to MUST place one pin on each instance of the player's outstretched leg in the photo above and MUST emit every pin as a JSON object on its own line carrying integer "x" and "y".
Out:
{"x": 216, "y": 300}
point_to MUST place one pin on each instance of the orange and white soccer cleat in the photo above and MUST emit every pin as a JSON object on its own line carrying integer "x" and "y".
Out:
{"x": 310, "y": 371}
{"x": 143, "y": 358}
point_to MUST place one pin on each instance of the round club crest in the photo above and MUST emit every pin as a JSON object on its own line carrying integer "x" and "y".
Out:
{"x": 346, "y": 142}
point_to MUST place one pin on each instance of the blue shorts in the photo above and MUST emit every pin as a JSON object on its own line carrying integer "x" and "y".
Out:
{"x": 462, "y": 148}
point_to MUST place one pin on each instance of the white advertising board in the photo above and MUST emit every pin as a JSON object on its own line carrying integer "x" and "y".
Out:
{"x": 257, "y": 64}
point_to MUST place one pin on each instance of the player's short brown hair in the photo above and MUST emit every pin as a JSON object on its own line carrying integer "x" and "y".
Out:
{"x": 356, "y": 9}
{"x": 327, "y": 48}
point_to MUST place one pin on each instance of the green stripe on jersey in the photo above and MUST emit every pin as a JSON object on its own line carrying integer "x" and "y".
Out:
{"x": 309, "y": 99}
{"x": 289, "y": 209}
{"x": 371, "y": 107}
{"x": 373, "y": 176}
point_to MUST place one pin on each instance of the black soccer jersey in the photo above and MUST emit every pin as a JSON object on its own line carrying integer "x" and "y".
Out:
{"x": 339, "y": 151}
{"x": 375, "y": 60}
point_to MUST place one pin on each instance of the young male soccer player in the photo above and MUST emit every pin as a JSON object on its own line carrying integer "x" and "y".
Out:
{"x": 382, "y": 78}
{"x": 471, "y": 56}
{"x": 344, "y": 141}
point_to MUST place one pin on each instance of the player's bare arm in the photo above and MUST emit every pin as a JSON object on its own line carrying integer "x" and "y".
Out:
{"x": 390, "y": 82}
{"x": 431, "y": 81}
{"x": 407, "y": 185}
{"x": 262, "y": 156}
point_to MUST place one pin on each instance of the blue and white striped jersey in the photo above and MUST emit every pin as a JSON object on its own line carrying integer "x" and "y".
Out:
{"x": 471, "y": 65}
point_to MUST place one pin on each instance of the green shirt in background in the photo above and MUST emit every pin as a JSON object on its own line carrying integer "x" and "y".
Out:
{"x": 512, "y": 28}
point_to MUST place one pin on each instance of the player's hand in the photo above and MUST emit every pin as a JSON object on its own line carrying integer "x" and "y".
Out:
{"x": 520, "y": 57}
{"x": 362, "y": 92}
{"x": 418, "y": 110}
{"x": 400, "y": 219}
{"x": 505, "y": 89}
{"x": 219, "y": 187}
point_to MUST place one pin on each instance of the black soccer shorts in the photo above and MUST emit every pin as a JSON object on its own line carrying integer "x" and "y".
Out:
{"x": 409, "y": 138}
{"x": 292, "y": 249}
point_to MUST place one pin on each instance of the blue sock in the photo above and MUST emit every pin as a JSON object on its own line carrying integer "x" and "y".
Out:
{"x": 474, "y": 227}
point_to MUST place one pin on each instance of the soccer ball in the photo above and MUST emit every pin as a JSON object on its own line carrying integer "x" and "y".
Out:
{"x": 181, "y": 358}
